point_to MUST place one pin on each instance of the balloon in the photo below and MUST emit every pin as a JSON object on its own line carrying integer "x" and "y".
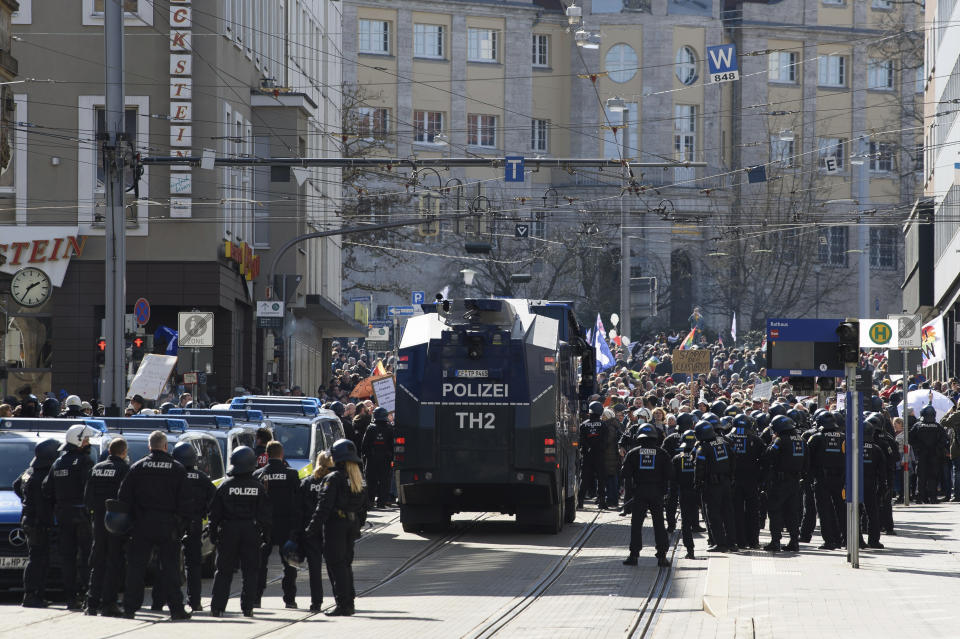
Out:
{"x": 614, "y": 319}
{"x": 612, "y": 333}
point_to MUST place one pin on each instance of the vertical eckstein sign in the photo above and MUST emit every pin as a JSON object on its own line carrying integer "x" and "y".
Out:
{"x": 181, "y": 105}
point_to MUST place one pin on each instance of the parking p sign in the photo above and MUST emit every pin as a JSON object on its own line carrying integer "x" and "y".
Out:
{"x": 722, "y": 63}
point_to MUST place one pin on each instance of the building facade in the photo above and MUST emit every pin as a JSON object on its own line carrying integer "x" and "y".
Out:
{"x": 236, "y": 77}
{"x": 509, "y": 78}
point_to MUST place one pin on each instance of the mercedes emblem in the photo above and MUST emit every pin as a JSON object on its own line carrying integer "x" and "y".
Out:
{"x": 17, "y": 537}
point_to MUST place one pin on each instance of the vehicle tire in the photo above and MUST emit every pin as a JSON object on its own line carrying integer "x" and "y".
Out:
{"x": 411, "y": 527}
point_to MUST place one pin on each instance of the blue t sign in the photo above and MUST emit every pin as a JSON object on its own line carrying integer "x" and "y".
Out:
{"x": 514, "y": 168}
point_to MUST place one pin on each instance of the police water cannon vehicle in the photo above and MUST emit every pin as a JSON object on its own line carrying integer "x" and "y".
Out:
{"x": 487, "y": 414}
{"x": 19, "y": 437}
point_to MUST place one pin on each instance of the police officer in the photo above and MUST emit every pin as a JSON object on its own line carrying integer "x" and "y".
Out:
{"x": 37, "y": 520}
{"x": 827, "y": 470}
{"x": 930, "y": 442}
{"x": 671, "y": 444}
{"x": 647, "y": 468}
{"x": 282, "y": 485}
{"x": 377, "y": 452}
{"x": 592, "y": 447}
{"x": 340, "y": 513}
{"x": 312, "y": 545}
{"x": 50, "y": 407}
{"x": 884, "y": 438}
{"x": 715, "y": 467}
{"x": 155, "y": 491}
{"x": 808, "y": 502}
{"x": 106, "y": 558}
{"x": 64, "y": 487}
{"x": 684, "y": 478}
{"x": 74, "y": 408}
{"x": 199, "y": 494}
{"x": 747, "y": 449}
{"x": 262, "y": 437}
{"x": 786, "y": 457}
{"x": 874, "y": 476}
{"x": 240, "y": 518}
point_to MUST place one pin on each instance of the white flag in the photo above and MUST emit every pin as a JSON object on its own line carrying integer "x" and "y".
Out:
{"x": 733, "y": 327}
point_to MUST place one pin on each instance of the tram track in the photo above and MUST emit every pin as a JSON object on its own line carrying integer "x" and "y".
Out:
{"x": 659, "y": 589}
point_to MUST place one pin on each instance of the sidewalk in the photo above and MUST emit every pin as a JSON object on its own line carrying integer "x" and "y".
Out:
{"x": 909, "y": 589}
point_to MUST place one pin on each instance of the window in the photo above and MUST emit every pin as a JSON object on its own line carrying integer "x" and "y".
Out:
{"x": 881, "y": 157}
{"x": 832, "y": 71}
{"x": 920, "y": 79}
{"x": 836, "y": 3}
{"x": 832, "y": 148}
{"x": 372, "y": 122}
{"x": 13, "y": 178}
{"x": 24, "y": 15}
{"x": 538, "y": 225}
{"x": 833, "y": 246}
{"x": 428, "y": 40}
{"x": 918, "y": 157}
{"x": 782, "y": 67}
{"x": 621, "y": 63}
{"x": 684, "y": 139}
{"x": 686, "y": 67}
{"x": 426, "y": 126}
{"x": 782, "y": 151}
{"x": 882, "y": 4}
{"x": 136, "y": 12}
{"x": 880, "y": 74}
{"x": 482, "y": 130}
{"x": 481, "y": 45}
{"x": 539, "y": 131}
{"x": 541, "y": 50}
{"x": 620, "y": 143}
{"x": 374, "y": 36}
{"x": 883, "y": 247}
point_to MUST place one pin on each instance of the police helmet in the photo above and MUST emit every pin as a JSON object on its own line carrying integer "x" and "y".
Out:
{"x": 874, "y": 419}
{"x": 242, "y": 461}
{"x": 761, "y": 419}
{"x": 165, "y": 407}
{"x": 45, "y": 453}
{"x": 697, "y": 414}
{"x": 595, "y": 409}
{"x": 685, "y": 421}
{"x": 712, "y": 418}
{"x": 704, "y": 431}
{"x": 344, "y": 450}
{"x": 117, "y": 519}
{"x": 782, "y": 424}
{"x": 292, "y": 554}
{"x": 928, "y": 413}
{"x": 726, "y": 424}
{"x": 380, "y": 414}
{"x": 186, "y": 454}
{"x": 798, "y": 416}
{"x": 718, "y": 407}
{"x": 72, "y": 401}
{"x": 648, "y": 433}
{"x": 50, "y": 407}
{"x": 28, "y": 407}
{"x": 733, "y": 410}
{"x": 826, "y": 420}
{"x": 743, "y": 423}
{"x": 688, "y": 439}
{"x": 777, "y": 409}
{"x": 869, "y": 430}
{"x": 338, "y": 408}
{"x": 76, "y": 434}
{"x": 875, "y": 403}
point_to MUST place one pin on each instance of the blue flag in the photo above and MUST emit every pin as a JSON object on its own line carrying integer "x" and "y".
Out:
{"x": 604, "y": 356}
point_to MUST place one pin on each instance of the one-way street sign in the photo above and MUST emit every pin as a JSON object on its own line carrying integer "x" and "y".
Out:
{"x": 398, "y": 311}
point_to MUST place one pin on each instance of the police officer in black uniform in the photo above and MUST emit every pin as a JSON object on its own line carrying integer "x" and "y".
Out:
{"x": 671, "y": 444}
{"x": 377, "y": 452}
{"x": 199, "y": 493}
{"x": 685, "y": 479}
{"x": 786, "y": 457}
{"x": 340, "y": 512}
{"x": 747, "y": 449}
{"x": 827, "y": 470}
{"x": 240, "y": 518}
{"x": 715, "y": 466}
{"x": 808, "y": 501}
{"x": 282, "y": 485}
{"x": 64, "y": 487}
{"x": 37, "y": 520}
{"x": 874, "y": 477}
{"x": 930, "y": 442}
{"x": 592, "y": 446}
{"x": 106, "y": 558}
{"x": 312, "y": 545}
{"x": 885, "y": 439}
{"x": 647, "y": 468}
{"x": 155, "y": 491}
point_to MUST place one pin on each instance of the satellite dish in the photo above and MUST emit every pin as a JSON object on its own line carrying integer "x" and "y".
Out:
{"x": 612, "y": 333}
{"x": 614, "y": 319}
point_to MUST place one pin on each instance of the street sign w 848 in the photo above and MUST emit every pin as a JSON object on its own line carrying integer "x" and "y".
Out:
{"x": 722, "y": 63}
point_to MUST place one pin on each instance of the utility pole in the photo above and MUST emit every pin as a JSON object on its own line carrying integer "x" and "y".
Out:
{"x": 863, "y": 231}
{"x": 625, "y": 264}
{"x": 113, "y": 149}
{"x": 855, "y": 456}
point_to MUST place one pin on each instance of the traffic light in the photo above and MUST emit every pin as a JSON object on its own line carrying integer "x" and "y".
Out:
{"x": 101, "y": 351}
{"x": 137, "y": 351}
{"x": 849, "y": 338}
